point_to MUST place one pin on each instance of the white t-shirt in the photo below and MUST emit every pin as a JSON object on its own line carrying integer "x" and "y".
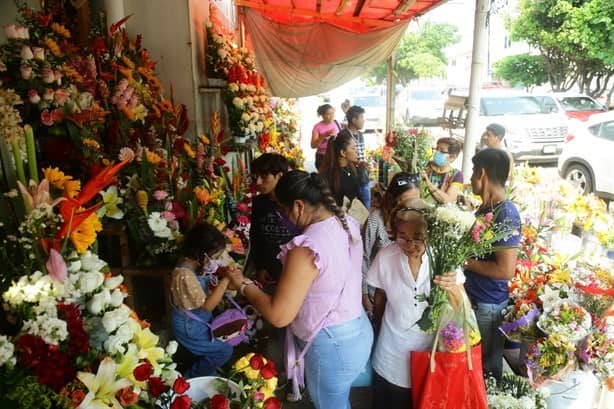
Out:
{"x": 399, "y": 334}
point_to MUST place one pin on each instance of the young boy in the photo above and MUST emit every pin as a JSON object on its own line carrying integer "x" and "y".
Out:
{"x": 487, "y": 277}
{"x": 355, "y": 122}
{"x": 267, "y": 233}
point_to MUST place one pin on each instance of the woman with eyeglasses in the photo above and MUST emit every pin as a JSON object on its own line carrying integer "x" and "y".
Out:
{"x": 443, "y": 182}
{"x": 194, "y": 294}
{"x": 318, "y": 295}
{"x": 400, "y": 273}
{"x": 402, "y": 187}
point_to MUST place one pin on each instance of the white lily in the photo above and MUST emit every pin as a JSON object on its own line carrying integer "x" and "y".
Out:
{"x": 102, "y": 387}
{"x": 550, "y": 297}
{"x": 111, "y": 200}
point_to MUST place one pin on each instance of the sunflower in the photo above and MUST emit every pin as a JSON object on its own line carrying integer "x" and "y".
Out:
{"x": 85, "y": 234}
{"x": 56, "y": 177}
{"x": 72, "y": 188}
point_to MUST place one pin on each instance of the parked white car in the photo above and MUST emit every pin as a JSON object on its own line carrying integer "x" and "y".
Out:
{"x": 574, "y": 105}
{"x": 586, "y": 160}
{"x": 425, "y": 105}
{"x": 532, "y": 132}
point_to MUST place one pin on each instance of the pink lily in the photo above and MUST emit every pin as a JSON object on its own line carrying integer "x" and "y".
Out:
{"x": 56, "y": 266}
{"x": 37, "y": 195}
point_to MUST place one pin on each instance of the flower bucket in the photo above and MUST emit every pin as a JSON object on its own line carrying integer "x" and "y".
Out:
{"x": 575, "y": 390}
{"x": 205, "y": 387}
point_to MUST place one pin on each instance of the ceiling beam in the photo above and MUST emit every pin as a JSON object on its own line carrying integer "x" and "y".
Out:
{"x": 312, "y": 13}
{"x": 342, "y": 6}
{"x": 404, "y": 5}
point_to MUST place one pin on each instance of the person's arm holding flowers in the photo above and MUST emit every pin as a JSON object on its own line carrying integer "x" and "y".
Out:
{"x": 450, "y": 284}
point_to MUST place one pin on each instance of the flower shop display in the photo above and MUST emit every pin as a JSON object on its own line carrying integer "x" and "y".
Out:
{"x": 513, "y": 392}
{"x": 411, "y": 148}
{"x": 251, "y": 384}
{"x": 85, "y": 103}
{"x": 249, "y": 110}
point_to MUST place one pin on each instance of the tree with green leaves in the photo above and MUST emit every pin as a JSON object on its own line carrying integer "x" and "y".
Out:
{"x": 575, "y": 39}
{"x": 420, "y": 54}
{"x": 522, "y": 69}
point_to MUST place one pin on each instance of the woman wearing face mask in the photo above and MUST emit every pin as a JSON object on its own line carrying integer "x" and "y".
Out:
{"x": 403, "y": 186}
{"x": 318, "y": 295}
{"x": 443, "y": 182}
{"x": 340, "y": 168}
{"x": 193, "y": 300}
{"x": 323, "y": 131}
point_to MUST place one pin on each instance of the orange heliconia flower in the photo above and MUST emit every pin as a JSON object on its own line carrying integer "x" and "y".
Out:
{"x": 60, "y": 29}
{"x": 128, "y": 112}
{"x": 153, "y": 157}
{"x": 128, "y": 62}
{"x": 188, "y": 150}
{"x": 53, "y": 46}
{"x": 72, "y": 74}
{"x": 202, "y": 195}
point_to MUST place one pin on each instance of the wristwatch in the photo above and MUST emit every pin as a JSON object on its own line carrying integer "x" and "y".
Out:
{"x": 244, "y": 284}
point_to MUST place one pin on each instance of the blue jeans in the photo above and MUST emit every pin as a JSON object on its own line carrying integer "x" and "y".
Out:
{"x": 489, "y": 319}
{"x": 337, "y": 356}
{"x": 195, "y": 336}
{"x": 364, "y": 195}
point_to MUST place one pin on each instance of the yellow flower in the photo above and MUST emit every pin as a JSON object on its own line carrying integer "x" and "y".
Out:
{"x": 56, "y": 177}
{"x": 91, "y": 143}
{"x": 152, "y": 157}
{"x": 488, "y": 235}
{"x": 204, "y": 139}
{"x": 188, "y": 150}
{"x": 53, "y": 47}
{"x": 474, "y": 337}
{"x": 72, "y": 188}
{"x": 203, "y": 195}
{"x": 60, "y": 29}
{"x": 140, "y": 113}
{"x": 103, "y": 386}
{"x": 128, "y": 362}
{"x": 142, "y": 199}
{"x": 85, "y": 234}
{"x": 147, "y": 343}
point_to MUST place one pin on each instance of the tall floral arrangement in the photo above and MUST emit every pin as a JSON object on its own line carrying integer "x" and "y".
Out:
{"x": 285, "y": 136}
{"x": 85, "y": 103}
{"x": 72, "y": 340}
{"x": 411, "y": 148}
{"x": 249, "y": 111}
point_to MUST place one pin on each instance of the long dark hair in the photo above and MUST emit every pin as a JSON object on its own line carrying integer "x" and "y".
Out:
{"x": 400, "y": 183}
{"x": 330, "y": 168}
{"x": 311, "y": 188}
{"x": 203, "y": 238}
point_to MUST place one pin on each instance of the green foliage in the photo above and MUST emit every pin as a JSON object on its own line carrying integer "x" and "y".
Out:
{"x": 522, "y": 69}
{"x": 27, "y": 393}
{"x": 575, "y": 38}
{"x": 420, "y": 54}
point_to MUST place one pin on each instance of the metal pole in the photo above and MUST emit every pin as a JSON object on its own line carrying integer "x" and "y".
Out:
{"x": 477, "y": 68}
{"x": 389, "y": 93}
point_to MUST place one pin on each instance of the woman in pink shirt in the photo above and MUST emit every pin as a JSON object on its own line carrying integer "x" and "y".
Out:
{"x": 323, "y": 131}
{"x": 319, "y": 293}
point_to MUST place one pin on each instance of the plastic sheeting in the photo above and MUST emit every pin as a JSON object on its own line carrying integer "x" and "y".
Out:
{"x": 303, "y": 59}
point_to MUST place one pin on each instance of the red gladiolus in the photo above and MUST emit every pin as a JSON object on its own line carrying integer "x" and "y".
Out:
{"x": 181, "y": 402}
{"x": 219, "y": 402}
{"x": 142, "y": 372}
{"x": 272, "y": 403}
{"x": 256, "y": 362}
{"x": 181, "y": 385}
{"x": 268, "y": 371}
{"x": 156, "y": 386}
{"x": 220, "y": 161}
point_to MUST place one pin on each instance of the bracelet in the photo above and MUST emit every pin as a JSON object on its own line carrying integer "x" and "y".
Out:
{"x": 244, "y": 285}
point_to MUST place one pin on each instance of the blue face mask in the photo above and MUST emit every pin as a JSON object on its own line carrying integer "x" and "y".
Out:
{"x": 440, "y": 158}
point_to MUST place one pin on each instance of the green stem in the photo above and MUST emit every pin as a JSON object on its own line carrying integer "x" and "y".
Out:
{"x": 21, "y": 174}
{"x": 31, "y": 150}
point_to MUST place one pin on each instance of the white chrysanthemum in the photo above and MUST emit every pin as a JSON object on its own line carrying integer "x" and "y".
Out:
{"x": 52, "y": 330}
{"x": 111, "y": 320}
{"x": 454, "y": 216}
{"x": 7, "y": 352}
{"x": 91, "y": 262}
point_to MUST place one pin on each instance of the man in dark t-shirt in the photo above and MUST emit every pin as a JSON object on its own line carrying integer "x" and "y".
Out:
{"x": 267, "y": 232}
{"x": 487, "y": 277}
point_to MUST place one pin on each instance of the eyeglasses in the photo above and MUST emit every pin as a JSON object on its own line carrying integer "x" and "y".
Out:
{"x": 411, "y": 179}
{"x": 413, "y": 242}
{"x": 412, "y": 209}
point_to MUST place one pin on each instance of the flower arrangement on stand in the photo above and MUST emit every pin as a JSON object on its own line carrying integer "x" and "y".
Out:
{"x": 285, "y": 137}
{"x": 513, "y": 392}
{"x": 411, "y": 148}
{"x": 256, "y": 378}
{"x": 73, "y": 343}
{"x": 85, "y": 103}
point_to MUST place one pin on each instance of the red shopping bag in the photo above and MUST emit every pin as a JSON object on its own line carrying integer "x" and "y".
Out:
{"x": 448, "y": 380}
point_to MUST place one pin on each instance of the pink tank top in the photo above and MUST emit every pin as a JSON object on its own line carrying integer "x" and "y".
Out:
{"x": 322, "y": 128}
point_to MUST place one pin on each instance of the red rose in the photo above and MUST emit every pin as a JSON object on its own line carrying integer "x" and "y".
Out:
{"x": 256, "y": 362}
{"x": 181, "y": 402}
{"x": 181, "y": 385}
{"x": 220, "y": 161}
{"x": 127, "y": 396}
{"x": 142, "y": 372}
{"x": 156, "y": 386}
{"x": 219, "y": 402}
{"x": 268, "y": 371}
{"x": 272, "y": 403}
